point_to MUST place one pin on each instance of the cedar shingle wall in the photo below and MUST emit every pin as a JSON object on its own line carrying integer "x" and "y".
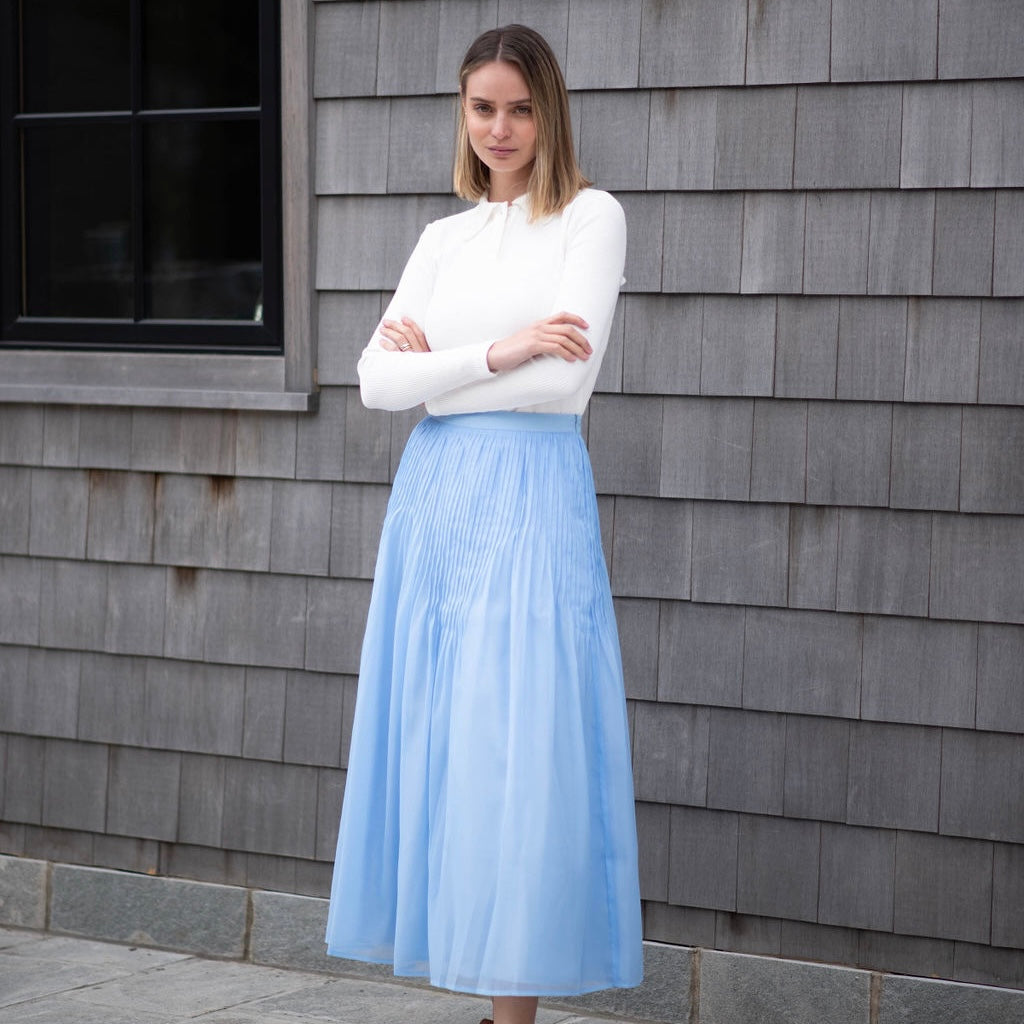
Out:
{"x": 808, "y": 442}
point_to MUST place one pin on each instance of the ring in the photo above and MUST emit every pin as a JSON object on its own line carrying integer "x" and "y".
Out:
{"x": 404, "y": 347}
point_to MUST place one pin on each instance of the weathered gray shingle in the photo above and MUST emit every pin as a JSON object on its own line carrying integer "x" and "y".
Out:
{"x": 813, "y": 554}
{"x": 906, "y": 954}
{"x": 925, "y": 470}
{"x": 872, "y": 349}
{"x": 300, "y": 531}
{"x": 58, "y": 518}
{"x": 40, "y": 691}
{"x": 613, "y": 138}
{"x": 900, "y": 243}
{"x": 992, "y": 475}
{"x": 263, "y": 720}
{"x": 640, "y": 568}
{"x": 847, "y": 137}
{"x": 1001, "y": 375}
{"x": 738, "y": 345}
{"x": 858, "y": 867}
{"x": 703, "y": 234}
{"x": 329, "y": 793}
{"x": 112, "y": 700}
{"x": 459, "y": 23}
{"x": 421, "y": 144}
{"x": 625, "y": 444}
{"x": 779, "y": 457}
{"x": 345, "y": 322}
{"x": 19, "y": 600}
{"x": 120, "y": 516}
{"x": 754, "y": 781}
{"x": 143, "y": 792}
{"x": 670, "y": 753}
{"x": 184, "y": 441}
{"x": 963, "y": 243}
{"x": 21, "y": 434}
{"x": 883, "y": 562}
{"x": 15, "y": 497}
{"x": 201, "y": 817}
{"x": 320, "y": 439}
{"x": 74, "y": 785}
{"x": 345, "y": 61}
{"x": 894, "y": 776}
{"x": 549, "y": 17}
{"x": 919, "y": 671}
{"x": 639, "y": 628}
{"x": 976, "y": 568}
{"x": 836, "y": 243}
{"x": 773, "y": 242}
{"x": 270, "y": 808}
{"x": 136, "y": 602}
{"x": 663, "y": 353}
{"x": 740, "y": 553}
{"x": 652, "y": 831}
{"x": 693, "y": 43}
{"x": 335, "y": 619}
{"x": 817, "y": 763}
{"x": 980, "y": 39}
{"x": 700, "y": 654}
{"x": 604, "y": 45}
{"x": 356, "y": 518}
{"x": 23, "y": 781}
{"x": 754, "y": 138}
{"x": 265, "y": 445}
{"x": 981, "y": 791}
{"x": 352, "y": 145}
{"x": 65, "y": 620}
{"x": 803, "y": 662}
{"x": 788, "y": 41}
{"x": 645, "y": 219}
{"x": 807, "y": 339}
{"x": 848, "y": 445}
{"x": 702, "y": 869}
{"x": 312, "y": 719}
{"x": 705, "y": 450}
{"x": 777, "y": 868}
{"x": 943, "y": 337}
{"x": 943, "y": 887}
{"x": 1008, "y": 896}
{"x": 1000, "y": 678}
{"x": 873, "y": 39}
{"x": 404, "y": 69}
{"x": 60, "y": 435}
{"x": 104, "y": 437}
{"x": 681, "y": 151}
{"x": 936, "y": 146}
{"x": 1008, "y": 265}
{"x": 367, "y": 442}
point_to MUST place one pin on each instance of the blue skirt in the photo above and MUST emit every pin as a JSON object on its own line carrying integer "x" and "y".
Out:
{"x": 488, "y": 837}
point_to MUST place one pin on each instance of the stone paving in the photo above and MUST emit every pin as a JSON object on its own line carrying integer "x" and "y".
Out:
{"x": 50, "y": 979}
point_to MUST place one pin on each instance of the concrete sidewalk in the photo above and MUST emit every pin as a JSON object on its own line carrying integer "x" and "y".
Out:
{"x": 52, "y": 979}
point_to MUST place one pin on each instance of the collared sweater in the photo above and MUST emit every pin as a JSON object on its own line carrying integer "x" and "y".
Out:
{"x": 481, "y": 275}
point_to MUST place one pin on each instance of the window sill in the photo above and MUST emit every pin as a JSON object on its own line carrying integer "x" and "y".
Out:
{"x": 154, "y": 380}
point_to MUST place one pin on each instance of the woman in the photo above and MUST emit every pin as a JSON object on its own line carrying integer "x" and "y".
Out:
{"x": 487, "y": 837}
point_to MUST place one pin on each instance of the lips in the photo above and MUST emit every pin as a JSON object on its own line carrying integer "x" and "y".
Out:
{"x": 499, "y": 151}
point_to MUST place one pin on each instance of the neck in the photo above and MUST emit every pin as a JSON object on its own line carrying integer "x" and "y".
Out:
{"x": 502, "y": 190}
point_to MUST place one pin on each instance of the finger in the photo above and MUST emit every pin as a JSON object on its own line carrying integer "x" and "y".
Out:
{"x": 569, "y": 318}
{"x": 388, "y": 345}
{"x": 571, "y": 337}
{"x": 399, "y": 334}
{"x": 415, "y": 335}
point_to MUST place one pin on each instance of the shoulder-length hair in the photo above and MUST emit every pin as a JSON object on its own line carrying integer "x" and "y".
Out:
{"x": 556, "y": 177}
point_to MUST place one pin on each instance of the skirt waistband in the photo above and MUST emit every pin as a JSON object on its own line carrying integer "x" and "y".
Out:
{"x": 556, "y": 422}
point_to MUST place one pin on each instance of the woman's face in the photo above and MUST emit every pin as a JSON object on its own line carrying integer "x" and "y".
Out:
{"x": 499, "y": 120}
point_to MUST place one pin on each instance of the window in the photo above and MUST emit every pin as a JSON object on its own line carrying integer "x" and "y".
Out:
{"x": 141, "y": 195}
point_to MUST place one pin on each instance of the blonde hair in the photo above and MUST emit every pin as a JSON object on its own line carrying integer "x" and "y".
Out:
{"x": 555, "y": 178}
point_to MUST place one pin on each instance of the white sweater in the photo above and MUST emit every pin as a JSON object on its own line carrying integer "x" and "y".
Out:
{"x": 481, "y": 275}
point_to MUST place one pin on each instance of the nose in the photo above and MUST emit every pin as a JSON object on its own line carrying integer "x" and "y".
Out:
{"x": 499, "y": 127}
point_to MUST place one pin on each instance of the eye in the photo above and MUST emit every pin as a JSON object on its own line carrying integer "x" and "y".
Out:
{"x": 481, "y": 108}
{"x": 524, "y": 110}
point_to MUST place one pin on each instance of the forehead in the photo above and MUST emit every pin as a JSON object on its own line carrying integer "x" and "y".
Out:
{"x": 497, "y": 80}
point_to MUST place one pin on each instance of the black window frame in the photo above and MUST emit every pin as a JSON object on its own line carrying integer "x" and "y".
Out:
{"x": 171, "y": 336}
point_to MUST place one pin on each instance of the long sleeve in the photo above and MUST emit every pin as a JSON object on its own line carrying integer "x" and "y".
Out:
{"x": 595, "y": 254}
{"x": 401, "y": 380}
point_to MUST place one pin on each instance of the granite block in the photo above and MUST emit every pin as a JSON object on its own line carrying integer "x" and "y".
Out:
{"x": 624, "y": 440}
{"x": 848, "y": 137}
{"x": 997, "y": 138}
{"x": 700, "y": 654}
{"x": 639, "y": 624}
{"x": 335, "y": 619}
{"x": 992, "y": 473}
{"x": 356, "y": 518}
{"x": 738, "y": 345}
{"x": 738, "y": 987}
{"x": 813, "y": 556}
{"x": 169, "y": 912}
{"x": 681, "y": 148}
{"x": 858, "y": 872}
{"x": 652, "y": 829}
{"x": 779, "y": 458}
{"x": 702, "y": 849}
{"x": 884, "y": 563}
{"x": 787, "y": 42}
{"x": 816, "y": 776}
{"x": 282, "y": 924}
{"x": 143, "y": 790}
{"x": 943, "y": 887}
{"x": 1000, "y": 678}
{"x": 919, "y": 671}
{"x": 754, "y": 146}
{"x": 691, "y": 43}
{"x": 872, "y": 349}
{"x": 663, "y": 353}
{"x": 753, "y": 782}
{"x": 872, "y": 40}
{"x": 300, "y": 530}
{"x": 201, "y": 813}
{"x": 964, "y": 234}
{"x": 901, "y": 242}
{"x": 345, "y": 55}
{"x": 706, "y": 446}
{"x": 59, "y": 513}
{"x": 23, "y": 892}
{"x": 670, "y": 753}
{"x": 982, "y": 794}
{"x": 640, "y": 568}
{"x": 936, "y": 144}
{"x": 926, "y": 1001}
{"x": 270, "y": 808}
{"x": 806, "y": 347}
{"x": 925, "y": 469}
{"x": 740, "y": 553}
{"x": 702, "y": 242}
{"x": 802, "y": 662}
{"x": 120, "y": 516}
{"x": 74, "y": 785}
{"x": 777, "y": 868}
{"x": 894, "y": 776}
{"x": 836, "y": 243}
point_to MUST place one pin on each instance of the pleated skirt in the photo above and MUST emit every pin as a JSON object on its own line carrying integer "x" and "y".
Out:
{"x": 488, "y": 837}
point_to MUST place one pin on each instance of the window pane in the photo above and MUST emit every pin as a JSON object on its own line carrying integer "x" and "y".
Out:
{"x": 202, "y": 217}
{"x": 75, "y": 56}
{"x": 77, "y": 221}
{"x": 200, "y": 53}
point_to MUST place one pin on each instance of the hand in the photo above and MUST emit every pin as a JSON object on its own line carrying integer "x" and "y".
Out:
{"x": 557, "y": 335}
{"x": 403, "y": 335}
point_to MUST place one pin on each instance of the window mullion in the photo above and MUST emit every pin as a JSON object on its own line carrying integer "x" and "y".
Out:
{"x": 138, "y": 238}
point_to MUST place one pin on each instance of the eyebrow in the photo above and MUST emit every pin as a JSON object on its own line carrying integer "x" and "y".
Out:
{"x": 511, "y": 103}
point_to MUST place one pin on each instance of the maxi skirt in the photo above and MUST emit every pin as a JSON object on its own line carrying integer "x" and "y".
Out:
{"x": 488, "y": 837}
